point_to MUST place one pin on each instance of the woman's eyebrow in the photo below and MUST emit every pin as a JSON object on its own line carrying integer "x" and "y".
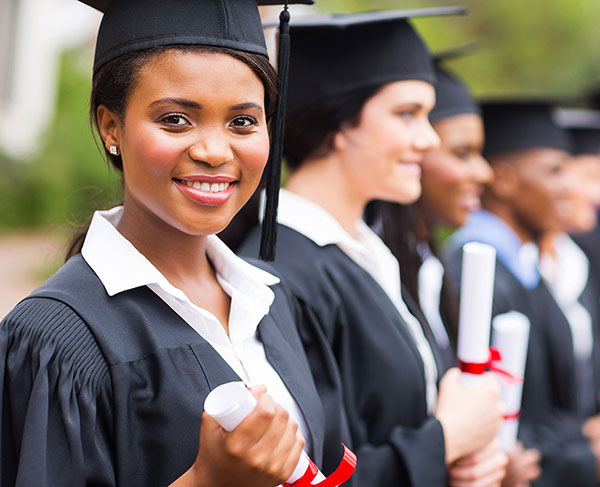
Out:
{"x": 245, "y": 106}
{"x": 409, "y": 106}
{"x": 177, "y": 101}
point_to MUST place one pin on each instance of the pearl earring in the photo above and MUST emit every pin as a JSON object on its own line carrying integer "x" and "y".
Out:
{"x": 114, "y": 150}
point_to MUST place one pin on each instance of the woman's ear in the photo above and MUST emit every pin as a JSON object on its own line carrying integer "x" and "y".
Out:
{"x": 505, "y": 183}
{"x": 109, "y": 127}
{"x": 340, "y": 141}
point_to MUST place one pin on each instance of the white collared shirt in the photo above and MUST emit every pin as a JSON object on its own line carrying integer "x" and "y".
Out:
{"x": 370, "y": 253}
{"x": 567, "y": 277}
{"x": 431, "y": 281}
{"x": 121, "y": 267}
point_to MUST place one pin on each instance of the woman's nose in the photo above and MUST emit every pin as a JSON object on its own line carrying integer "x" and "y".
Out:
{"x": 212, "y": 148}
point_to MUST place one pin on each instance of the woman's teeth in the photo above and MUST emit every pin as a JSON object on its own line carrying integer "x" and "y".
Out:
{"x": 207, "y": 187}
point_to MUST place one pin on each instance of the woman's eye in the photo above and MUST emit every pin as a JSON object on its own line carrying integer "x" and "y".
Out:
{"x": 178, "y": 120}
{"x": 462, "y": 154}
{"x": 407, "y": 114}
{"x": 244, "y": 122}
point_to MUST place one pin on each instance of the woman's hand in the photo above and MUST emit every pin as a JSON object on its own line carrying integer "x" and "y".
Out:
{"x": 523, "y": 467}
{"x": 486, "y": 468}
{"x": 261, "y": 452}
{"x": 470, "y": 416}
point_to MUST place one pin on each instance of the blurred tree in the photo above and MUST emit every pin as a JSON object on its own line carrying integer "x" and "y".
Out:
{"x": 531, "y": 47}
{"x": 535, "y": 47}
{"x": 68, "y": 178}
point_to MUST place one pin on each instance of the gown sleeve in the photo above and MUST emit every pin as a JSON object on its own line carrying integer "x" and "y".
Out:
{"x": 56, "y": 405}
{"x": 408, "y": 455}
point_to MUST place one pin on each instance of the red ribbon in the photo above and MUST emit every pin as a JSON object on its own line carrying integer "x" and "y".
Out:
{"x": 514, "y": 415}
{"x": 338, "y": 477}
{"x": 479, "y": 368}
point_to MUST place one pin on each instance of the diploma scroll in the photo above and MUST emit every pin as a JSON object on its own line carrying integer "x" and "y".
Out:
{"x": 229, "y": 404}
{"x": 510, "y": 335}
{"x": 476, "y": 296}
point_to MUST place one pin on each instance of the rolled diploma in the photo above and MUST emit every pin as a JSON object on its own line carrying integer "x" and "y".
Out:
{"x": 510, "y": 335}
{"x": 476, "y": 295}
{"x": 229, "y": 404}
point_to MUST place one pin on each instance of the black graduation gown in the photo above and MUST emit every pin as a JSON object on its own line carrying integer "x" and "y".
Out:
{"x": 359, "y": 346}
{"x": 105, "y": 391}
{"x": 549, "y": 419}
{"x": 590, "y": 244}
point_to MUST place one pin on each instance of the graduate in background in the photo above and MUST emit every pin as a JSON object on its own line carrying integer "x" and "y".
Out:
{"x": 361, "y": 88}
{"x": 528, "y": 197}
{"x": 570, "y": 270}
{"x": 584, "y": 129}
{"x": 453, "y": 180}
{"x": 104, "y": 369}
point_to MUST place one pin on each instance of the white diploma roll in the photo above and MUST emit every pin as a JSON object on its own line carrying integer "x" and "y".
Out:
{"x": 476, "y": 296}
{"x": 510, "y": 336}
{"x": 231, "y": 403}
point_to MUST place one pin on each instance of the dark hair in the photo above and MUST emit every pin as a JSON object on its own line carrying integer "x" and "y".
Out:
{"x": 309, "y": 132}
{"x": 113, "y": 83}
{"x": 310, "y": 129}
{"x": 401, "y": 228}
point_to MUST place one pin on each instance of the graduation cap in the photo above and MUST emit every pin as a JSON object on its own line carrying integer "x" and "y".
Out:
{"x": 134, "y": 25}
{"x": 452, "y": 97}
{"x": 336, "y": 54}
{"x": 521, "y": 124}
{"x": 584, "y": 128}
{"x": 130, "y": 25}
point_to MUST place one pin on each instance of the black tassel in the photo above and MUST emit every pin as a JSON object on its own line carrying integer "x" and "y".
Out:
{"x": 269, "y": 224}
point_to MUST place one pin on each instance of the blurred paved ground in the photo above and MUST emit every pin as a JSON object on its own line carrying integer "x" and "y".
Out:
{"x": 26, "y": 260}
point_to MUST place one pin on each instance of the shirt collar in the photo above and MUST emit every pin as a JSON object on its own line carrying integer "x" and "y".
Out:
{"x": 483, "y": 226}
{"x": 121, "y": 267}
{"x": 310, "y": 219}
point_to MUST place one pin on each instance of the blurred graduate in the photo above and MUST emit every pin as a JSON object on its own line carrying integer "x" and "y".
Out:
{"x": 361, "y": 89}
{"x": 529, "y": 197}
{"x": 453, "y": 180}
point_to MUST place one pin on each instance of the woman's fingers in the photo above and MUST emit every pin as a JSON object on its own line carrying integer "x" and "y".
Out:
{"x": 484, "y": 468}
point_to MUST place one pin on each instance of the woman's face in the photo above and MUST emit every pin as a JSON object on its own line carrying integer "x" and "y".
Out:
{"x": 194, "y": 140}
{"x": 584, "y": 194}
{"x": 540, "y": 199}
{"x": 383, "y": 153}
{"x": 454, "y": 174}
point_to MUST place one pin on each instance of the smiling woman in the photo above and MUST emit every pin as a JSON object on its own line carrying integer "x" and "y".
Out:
{"x": 105, "y": 368}
{"x": 358, "y": 131}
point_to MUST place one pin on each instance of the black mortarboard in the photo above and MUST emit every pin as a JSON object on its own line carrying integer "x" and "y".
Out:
{"x": 130, "y": 25}
{"x": 134, "y": 25}
{"x": 584, "y": 128}
{"x": 521, "y": 124}
{"x": 337, "y": 54}
{"x": 452, "y": 97}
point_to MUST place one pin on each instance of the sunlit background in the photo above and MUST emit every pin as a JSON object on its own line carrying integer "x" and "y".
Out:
{"x": 52, "y": 175}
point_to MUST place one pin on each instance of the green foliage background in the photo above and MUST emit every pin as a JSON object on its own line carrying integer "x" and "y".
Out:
{"x": 67, "y": 178}
{"x": 525, "y": 46}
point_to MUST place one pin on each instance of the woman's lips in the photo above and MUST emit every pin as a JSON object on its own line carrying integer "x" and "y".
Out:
{"x": 210, "y": 191}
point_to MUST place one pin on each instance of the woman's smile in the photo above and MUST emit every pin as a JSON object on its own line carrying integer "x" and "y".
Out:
{"x": 211, "y": 191}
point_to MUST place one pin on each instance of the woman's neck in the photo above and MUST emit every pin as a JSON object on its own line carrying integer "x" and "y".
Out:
{"x": 180, "y": 257}
{"x": 509, "y": 216}
{"x": 322, "y": 181}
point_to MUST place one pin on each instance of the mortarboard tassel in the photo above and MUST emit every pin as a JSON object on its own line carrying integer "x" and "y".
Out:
{"x": 269, "y": 224}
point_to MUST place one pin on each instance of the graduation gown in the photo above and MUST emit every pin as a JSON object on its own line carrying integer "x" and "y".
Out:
{"x": 359, "y": 347}
{"x": 549, "y": 410}
{"x": 590, "y": 244}
{"x": 107, "y": 391}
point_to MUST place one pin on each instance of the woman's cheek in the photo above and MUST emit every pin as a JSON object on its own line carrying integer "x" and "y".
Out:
{"x": 253, "y": 155}
{"x": 158, "y": 150}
